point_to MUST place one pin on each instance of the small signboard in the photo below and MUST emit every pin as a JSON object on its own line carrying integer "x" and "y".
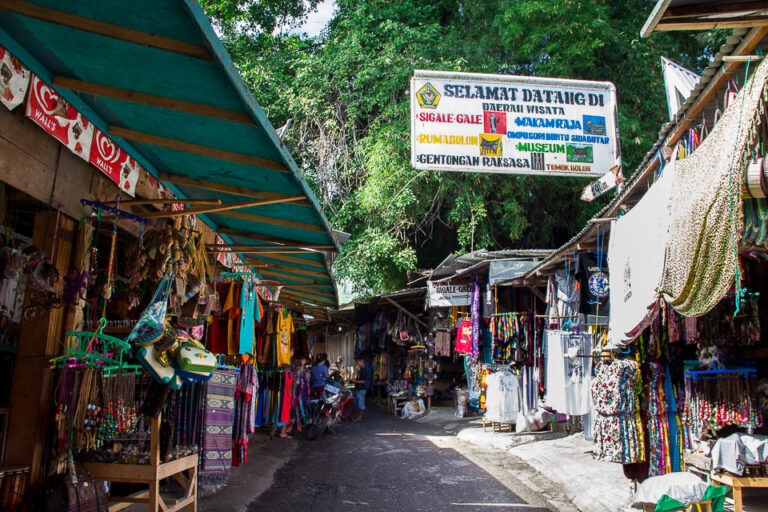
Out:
{"x": 513, "y": 124}
{"x": 444, "y": 294}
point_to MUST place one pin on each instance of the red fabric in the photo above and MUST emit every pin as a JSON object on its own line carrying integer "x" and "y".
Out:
{"x": 285, "y": 409}
{"x": 217, "y": 335}
{"x": 464, "y": 337}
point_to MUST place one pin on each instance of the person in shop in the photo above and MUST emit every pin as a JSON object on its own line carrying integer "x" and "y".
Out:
{"x": 361, "y": 386}
{"x": 319, "y": 374}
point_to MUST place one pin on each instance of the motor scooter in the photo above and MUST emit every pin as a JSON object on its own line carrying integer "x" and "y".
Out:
{"x": 327, "y": 410}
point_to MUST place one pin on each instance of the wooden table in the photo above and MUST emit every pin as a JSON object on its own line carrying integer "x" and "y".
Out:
{"x": 737, "y": 483}
{"x": 151, "y": 474}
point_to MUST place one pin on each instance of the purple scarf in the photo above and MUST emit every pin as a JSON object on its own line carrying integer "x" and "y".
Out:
{"x": 476, "y": 319}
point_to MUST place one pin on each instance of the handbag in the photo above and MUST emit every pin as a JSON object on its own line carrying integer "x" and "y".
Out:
{"x": 163, "y": 373}
{"x": 84, "y": 493}
{"x": 151, "y": 324}
{"x": 403, "y": 330}
{"x": 194, "y": 358}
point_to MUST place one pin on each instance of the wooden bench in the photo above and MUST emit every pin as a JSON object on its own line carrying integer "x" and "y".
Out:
{"x": 736, "y": 484}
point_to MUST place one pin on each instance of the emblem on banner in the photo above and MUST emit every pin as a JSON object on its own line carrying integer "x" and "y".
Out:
{"x": 428, "y": 96}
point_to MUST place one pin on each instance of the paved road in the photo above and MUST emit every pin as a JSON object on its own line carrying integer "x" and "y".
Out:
{"x": 386, "y": 464}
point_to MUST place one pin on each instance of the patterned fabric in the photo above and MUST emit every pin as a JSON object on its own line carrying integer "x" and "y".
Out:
{"x": 706, "y": 212}
{"x": 217, "y": 421}
{"x": 617, "y": 431}
{"x": 443, "y": 343}
{"x": 656, "y": 423}
{"x": 244, "y": 397}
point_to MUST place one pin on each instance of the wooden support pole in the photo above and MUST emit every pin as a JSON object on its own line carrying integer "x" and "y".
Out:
{"x": 300, "y": 261}
{"x": 139, "y": 202}
{"x": 154, "y": 440}
{"x": 257, "y": 236}
{"x": 105, "y": 29}
{"x": 299, "y": 286}
{"x": 281, "y": 274}
{"x": 308, "y": 291}
{"x": 219, "y": 208}
{"x": 237, "y": 190}
{"x": 278, "y": 280}
{"x": 275, "y": 221}
{"x": 742, "y": 58}
{"x": 276, "y": 250}
{"x": 696, "y": 24}
{"x": 304, "y": 296}
{"x": 277, "y": 268}
{"x": 251, "y": 247}
{"x": 196, "y": 149}
{"x": 328, "y": 299}
{"x": 406, "y": 312}
{"x": 200, "y": 109}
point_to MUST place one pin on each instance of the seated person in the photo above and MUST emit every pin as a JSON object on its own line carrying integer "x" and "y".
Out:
{"x": 318, "y": 375}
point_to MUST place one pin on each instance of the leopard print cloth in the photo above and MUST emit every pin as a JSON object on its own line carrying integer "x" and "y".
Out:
{"x": 701, "y": 259}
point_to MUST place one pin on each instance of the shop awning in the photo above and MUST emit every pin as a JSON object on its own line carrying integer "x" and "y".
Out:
{"x": 504, "y": 271}
{"x": 153, "y": 75}
{"x": 705, "y": 15}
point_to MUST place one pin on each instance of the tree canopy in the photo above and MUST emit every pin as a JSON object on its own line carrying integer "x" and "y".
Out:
{"x": 347, "y": 93}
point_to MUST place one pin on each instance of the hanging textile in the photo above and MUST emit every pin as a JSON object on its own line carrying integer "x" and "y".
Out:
{"x": 593, "y": 282}
{"x": 443, "y": 343}
{"x": 706, "y": 215}
{"x": 568, "y": 375}
{"x": 464, "y": 337}
{"x": 512, "y": 338}
{"x": 476, "y": 319}
{"x": 636, "y": 260}
{"x": 674, "y": 434}
{"x": 503, "y": 397}
{"x": 218, "y": 416}
{"x": 248, "y": 312}
{"x": 617, "y": 429}
{"x": 656, "y": 424}
{"x": 284, "y": 331}
{"x": 563, "y": 296}
{"x": 245, "y": 394}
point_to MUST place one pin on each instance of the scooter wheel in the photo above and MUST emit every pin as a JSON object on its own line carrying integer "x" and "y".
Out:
{"x": 313, "y": 432}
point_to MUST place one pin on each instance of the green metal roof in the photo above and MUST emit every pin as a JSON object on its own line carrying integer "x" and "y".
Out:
{"x": 154, "y": 76}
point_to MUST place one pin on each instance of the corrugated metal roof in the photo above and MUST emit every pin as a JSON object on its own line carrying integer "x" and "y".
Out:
{"x": 455, "y": 263}
{"x": 154, "y": 76}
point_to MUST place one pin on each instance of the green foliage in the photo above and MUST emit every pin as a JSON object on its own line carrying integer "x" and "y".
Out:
{"x": 347, "y": 92}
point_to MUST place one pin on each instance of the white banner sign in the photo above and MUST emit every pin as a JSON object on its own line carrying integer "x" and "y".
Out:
{"x": 444, "y": 294}
{"x": 513, "y": 124}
